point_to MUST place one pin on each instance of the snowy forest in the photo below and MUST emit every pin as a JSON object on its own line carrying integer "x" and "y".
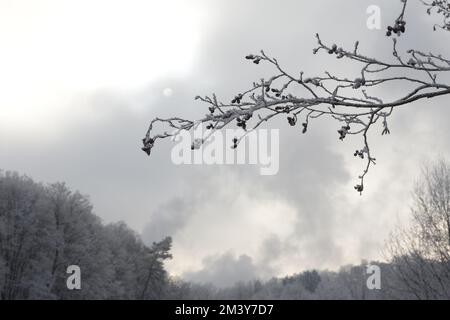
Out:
{"x": 45, "y": 228}
{"x": 224, "y": 150}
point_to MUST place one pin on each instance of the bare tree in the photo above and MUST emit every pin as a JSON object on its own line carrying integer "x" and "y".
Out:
{"x": 421, "y": 254}
{"x": 346, "y": 100}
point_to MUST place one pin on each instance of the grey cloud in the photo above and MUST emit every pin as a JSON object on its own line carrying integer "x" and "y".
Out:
{"x": 225, "y": 270}
{"x": 166, "y": 220}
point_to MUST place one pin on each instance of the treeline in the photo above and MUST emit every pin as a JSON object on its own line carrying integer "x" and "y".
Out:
{"x": 45, "y": 229}
{"x": 349, "y": 283}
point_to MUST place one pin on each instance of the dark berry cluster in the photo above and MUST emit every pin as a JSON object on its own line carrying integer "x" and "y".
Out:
{"x": 278, "y": 93}
{"x": 292, "y": 120}
{"x": 359, "y": 153}
{"x": 237, "y": 99}
{"x": 359, "y": 188}
{"x": 339, "y": 52}
{"x": 241, "y": 123}
{"x": 333, "y": 49}
{"x": 343, "y": 132}
{"x": 235, "y": 143}
{"x": 398, "y": 28}
{"x": 305, "y": 127}
{"x": 256, "y": 60}
{"x": 148, "y": 145}
{"x": 359, "y": 82}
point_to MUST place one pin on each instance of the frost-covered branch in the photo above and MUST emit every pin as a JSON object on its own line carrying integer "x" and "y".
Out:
{"x": 348, "y": 100}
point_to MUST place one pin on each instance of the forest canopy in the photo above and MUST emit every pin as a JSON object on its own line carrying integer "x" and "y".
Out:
{"x": 46, "y": 228}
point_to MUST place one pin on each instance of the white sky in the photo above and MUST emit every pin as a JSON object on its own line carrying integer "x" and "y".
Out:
{"x": 50, "y": 50}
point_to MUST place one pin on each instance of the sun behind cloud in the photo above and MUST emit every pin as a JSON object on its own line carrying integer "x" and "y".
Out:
{"x": 52, "y": 50}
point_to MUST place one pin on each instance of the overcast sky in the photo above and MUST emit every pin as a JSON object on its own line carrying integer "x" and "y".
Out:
{"x": 80, "y": 81}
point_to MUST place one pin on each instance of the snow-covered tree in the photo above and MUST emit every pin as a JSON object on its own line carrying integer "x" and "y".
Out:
{"x": 45, "y": 229}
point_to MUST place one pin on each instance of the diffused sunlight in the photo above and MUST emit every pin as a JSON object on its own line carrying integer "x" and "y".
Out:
{"x": 52, "y": 50}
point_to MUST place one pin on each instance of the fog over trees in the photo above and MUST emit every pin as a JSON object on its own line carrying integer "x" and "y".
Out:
{"x": 46, "y": 228}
